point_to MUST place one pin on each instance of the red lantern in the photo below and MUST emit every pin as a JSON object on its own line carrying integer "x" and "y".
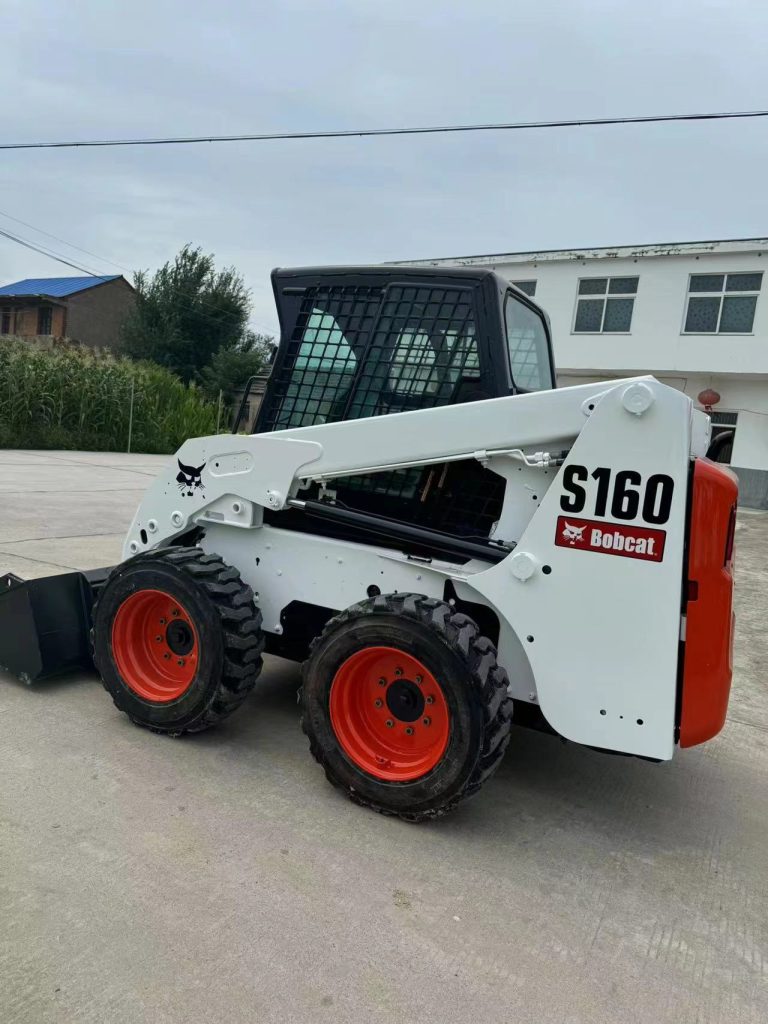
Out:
{"x": 708, "y": 398}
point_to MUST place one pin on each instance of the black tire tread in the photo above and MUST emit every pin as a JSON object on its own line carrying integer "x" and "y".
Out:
{"x": 462, "y": 635}
{"x": 243, "y": 637}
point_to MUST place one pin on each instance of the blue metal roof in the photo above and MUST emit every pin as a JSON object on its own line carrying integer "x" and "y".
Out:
{"x": 57, "y": 287}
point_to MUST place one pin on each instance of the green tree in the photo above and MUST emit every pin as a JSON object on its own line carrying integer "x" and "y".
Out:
{"x": 187, "y": 312}
{"x": 230, "y": 368}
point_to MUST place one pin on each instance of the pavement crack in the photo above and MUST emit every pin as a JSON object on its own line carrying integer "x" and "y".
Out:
{"x": 4, "y": 544}
{"x": 40, "y": 561}
{"x": 748, "y": 723}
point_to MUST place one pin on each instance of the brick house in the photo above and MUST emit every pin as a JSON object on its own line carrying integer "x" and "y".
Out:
{"x": 90, "y": 310}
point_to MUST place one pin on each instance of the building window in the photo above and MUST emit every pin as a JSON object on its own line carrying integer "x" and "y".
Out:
{"x": 724, "y": 428}
{"x": 5, "y": 320}
{"x": 44, "y": 319}
{"x": 528, "y": 287}
{"x": 722, "y": 303}
{"x": 604, "y": 305}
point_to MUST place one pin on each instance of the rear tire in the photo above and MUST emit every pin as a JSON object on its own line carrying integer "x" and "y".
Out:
{"x": 410, "y": 747}
{"x": 177, "y": 639}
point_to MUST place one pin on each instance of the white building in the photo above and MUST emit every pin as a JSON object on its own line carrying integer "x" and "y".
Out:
{"x": 694, "y": 314}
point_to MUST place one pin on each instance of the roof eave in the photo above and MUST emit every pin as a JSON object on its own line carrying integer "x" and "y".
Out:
{"x": 59, "y": 299}
{"x": 648, "y": 250}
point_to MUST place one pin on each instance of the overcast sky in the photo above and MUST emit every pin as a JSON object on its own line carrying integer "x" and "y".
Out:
{"x": 95, "y": 68}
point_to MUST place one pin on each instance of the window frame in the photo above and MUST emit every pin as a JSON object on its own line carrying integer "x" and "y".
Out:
{"x": 722, "y": 294}
{"x": 44, "y": 310}
{"x": 523, "y": 300}
{"x": 716, "y": 421}
{"x": 526, "y": 281}
{"x": 606, "y": 295}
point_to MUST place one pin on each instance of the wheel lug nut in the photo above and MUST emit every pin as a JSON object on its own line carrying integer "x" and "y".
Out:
{"x": 426, "y": 721}
{"x": 159, "y": 639}
{"x": 162, "y": 622}
{"x": 409, "y": 731}
{"x": 166, "y": 656}
{"x": 390, "y": 723}
{"x": 378, "y": 703}
{"x": 398, "y": 672}
{"x": 175, "y": 611}
{"x": 430, "y": 700}
{"x": 419, "y": 680}
{"x": 180, "y": 661}
{"x": 382, "y": 682}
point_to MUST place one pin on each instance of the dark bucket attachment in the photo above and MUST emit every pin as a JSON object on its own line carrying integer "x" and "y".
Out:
{"x": 45, "y": 624}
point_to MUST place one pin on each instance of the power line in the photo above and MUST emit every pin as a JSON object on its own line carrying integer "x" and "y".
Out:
{"x": 47, "y": 252}
{"x": 363, "y": 132}
{"x": 70, "y": 245}
{"x": 51, "y": 254}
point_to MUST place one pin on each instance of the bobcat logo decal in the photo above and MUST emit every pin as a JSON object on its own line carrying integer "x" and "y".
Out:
{"x": 573, "y": 534}
{"x": 189, "y": 479}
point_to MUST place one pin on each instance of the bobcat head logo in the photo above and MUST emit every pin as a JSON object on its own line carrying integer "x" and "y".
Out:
{"x": 573, "y": 534}
{"x": 189, "y": 480}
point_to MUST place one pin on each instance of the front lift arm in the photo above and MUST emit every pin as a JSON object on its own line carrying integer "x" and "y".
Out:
{"x": 266, "y": 470}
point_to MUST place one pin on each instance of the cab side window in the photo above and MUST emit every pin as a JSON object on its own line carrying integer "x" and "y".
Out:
{"x": 528, "y": 347}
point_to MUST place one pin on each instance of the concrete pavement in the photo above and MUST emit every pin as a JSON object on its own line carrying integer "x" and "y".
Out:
{"x": 219, "y": 878}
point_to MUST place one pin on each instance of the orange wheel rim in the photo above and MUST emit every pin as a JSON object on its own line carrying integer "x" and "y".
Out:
{"x": 155, "y": 646}
{"x": 389, "y": 714}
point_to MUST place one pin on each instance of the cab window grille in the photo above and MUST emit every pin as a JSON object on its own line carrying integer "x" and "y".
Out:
{"x": 358, "y": 351}
{"x": 314, "y": 381}
{"x": 423, "y": 346}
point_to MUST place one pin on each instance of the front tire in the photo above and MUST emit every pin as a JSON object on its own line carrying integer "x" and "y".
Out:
{"x": 177, "y": 639}
{"x": 405, "y": 706}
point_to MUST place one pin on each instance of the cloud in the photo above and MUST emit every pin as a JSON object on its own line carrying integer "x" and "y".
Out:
{"x": 86, "y": 70}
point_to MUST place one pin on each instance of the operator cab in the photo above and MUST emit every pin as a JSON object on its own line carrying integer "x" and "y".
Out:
{"x": 370, "y": 341}
{"x": 359, "y": 341}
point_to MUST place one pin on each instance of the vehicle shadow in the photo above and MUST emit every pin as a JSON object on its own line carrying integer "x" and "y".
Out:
{"x": 543, "y": 783}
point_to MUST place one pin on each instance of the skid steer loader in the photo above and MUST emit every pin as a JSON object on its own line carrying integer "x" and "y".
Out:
{"x": 440, "y": 536}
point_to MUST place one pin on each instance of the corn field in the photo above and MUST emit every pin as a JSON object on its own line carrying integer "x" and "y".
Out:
{"x": 67, "y": 397}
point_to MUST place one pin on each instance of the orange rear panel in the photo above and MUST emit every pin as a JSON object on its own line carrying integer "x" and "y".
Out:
{"x": 709, "y": 627}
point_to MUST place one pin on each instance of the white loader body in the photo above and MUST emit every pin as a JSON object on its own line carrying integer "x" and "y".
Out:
{"x": 589, "y": 598}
